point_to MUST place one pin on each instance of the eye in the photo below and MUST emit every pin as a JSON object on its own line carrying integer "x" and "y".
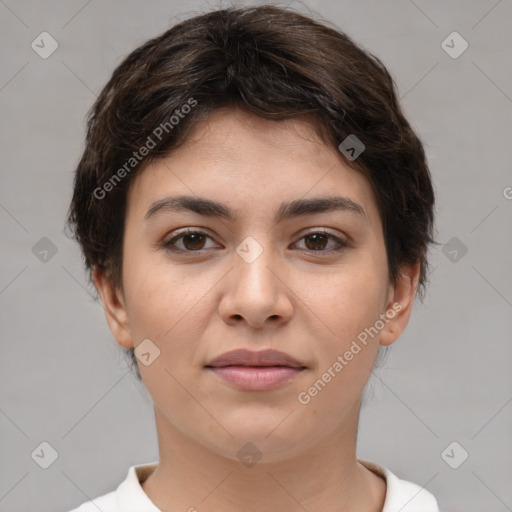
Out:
{"x": 191, "y": 241}
{"x": 194, "y": 241}
{"x": 317, "y": 241}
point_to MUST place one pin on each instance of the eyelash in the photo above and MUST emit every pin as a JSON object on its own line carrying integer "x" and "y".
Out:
{"x": 169, "y": 245}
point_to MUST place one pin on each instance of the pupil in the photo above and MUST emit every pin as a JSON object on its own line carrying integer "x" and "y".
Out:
{"x": 317, "y": 237}
{"x": 196, "y": 239}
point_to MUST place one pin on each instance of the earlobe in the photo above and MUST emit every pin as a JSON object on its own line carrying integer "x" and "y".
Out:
{"x": 115, "y": 308}
{"x": 400, "y": 303}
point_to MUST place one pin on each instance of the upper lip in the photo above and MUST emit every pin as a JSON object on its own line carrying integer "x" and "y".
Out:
{"x": 243, "y": 357}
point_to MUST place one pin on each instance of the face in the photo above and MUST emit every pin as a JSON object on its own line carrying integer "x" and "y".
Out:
{"x": 269, "y": 266}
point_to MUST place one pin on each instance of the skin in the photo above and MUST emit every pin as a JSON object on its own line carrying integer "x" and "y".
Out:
{"x": 199, "y": 304}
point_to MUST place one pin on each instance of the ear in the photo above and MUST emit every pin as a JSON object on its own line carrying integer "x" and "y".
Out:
{"x": 115, "y": 308}
{"x": 400, "y": 302}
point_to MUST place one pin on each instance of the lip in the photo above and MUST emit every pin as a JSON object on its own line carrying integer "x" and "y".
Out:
{"x": 255, "y": 371}
{"x": 244, "y": 357}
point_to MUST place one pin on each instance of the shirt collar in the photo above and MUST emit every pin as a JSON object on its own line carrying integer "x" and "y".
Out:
{"x": 400, "y": 495}
{"x": 130, "y": 494}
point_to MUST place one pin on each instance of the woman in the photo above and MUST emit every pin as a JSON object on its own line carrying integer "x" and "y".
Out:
{"x": 255, "y": 212}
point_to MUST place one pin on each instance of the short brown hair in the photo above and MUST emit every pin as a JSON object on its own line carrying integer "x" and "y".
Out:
{"x": 277, "y": 64}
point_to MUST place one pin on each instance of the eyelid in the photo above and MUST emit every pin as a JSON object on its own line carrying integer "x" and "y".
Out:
{"x": 166, "y": 243}
{"x": 324, "y": 231}
{"x": 342, "y": 243}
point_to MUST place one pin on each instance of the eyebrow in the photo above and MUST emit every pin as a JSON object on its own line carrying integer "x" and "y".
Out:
{"x": 287, "y": 210}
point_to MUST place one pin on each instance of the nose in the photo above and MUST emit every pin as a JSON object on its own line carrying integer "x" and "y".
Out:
{"x": 256, "y": 292}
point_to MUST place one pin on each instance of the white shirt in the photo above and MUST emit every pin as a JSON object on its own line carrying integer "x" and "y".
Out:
{"x": 401, "y": 496}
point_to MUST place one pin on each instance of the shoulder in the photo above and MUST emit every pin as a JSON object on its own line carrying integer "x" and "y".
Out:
{"x": 128, "y": 497}
{"x": 402, "y": 495}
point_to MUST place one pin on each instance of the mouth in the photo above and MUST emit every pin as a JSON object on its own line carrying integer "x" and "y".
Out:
{"x": 255, "y": 371}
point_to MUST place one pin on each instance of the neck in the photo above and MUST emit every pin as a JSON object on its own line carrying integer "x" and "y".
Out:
{"x": 325, "y": 477}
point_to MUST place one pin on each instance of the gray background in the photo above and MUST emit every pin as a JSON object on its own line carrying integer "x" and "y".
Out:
{"x": 63, "y": 379}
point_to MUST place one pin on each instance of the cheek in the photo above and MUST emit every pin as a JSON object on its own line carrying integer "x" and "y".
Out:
{"x": 170, "y": 305}
{"x": 345, "y": 354}
{"x": 345, "y": 300}
{"x": 165, "y": 307}
{"x": 158, "y": 294}
{"x": 343, "y": 306}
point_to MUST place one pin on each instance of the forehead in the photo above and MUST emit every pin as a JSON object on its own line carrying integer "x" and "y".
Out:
{"x": 249, "y": 162}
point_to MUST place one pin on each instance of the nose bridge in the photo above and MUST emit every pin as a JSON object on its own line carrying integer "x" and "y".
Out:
{"x": 253, "y": 257}
{"x": 254, "y": 292}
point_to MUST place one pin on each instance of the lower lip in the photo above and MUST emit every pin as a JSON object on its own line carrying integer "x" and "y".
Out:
{"x": 256, "y": 378}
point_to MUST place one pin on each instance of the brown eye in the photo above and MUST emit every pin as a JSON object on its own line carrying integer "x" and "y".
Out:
{"x": 188, "y": 241}
{"x": 193, "y": 241}
{"x": 318, "y": 241}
